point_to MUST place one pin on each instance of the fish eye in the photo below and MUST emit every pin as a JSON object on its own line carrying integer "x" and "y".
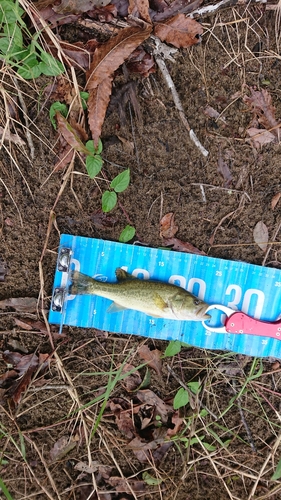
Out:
{"x": 196, "y": 302}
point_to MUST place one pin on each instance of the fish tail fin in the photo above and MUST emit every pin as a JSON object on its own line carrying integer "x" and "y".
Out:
{"x": 81, "y": 284}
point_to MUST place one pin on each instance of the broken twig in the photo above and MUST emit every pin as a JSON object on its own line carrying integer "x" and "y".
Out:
{"x": 162, "y": 51}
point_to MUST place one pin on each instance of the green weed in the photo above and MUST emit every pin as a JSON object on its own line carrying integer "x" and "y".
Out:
{"x": 28, "y": 59}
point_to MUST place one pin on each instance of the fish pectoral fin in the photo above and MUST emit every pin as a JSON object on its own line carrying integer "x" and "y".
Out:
{"x": 114, "y": 307}
{"x": 159, "y": 302}
{"x": 122, "y": 275}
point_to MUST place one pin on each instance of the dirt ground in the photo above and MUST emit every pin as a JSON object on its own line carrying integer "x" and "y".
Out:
{"x": 167, "y": 171}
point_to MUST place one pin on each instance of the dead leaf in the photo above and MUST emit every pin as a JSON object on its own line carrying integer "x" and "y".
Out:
{"x": 153, "y": 358}
{"x": 177, "y": 422}
{"x": 17, "y": 346}
{"x": 25, "y": 366}
{"x": 7, "y": 378}
{"x": 20, "y": 304}
{"x": 275, "y": 200}
{"x": 97, "y": 105}
{"x": 260, "y": 137}
{"x": 133, "y": 380}
{"x": 125, "y": 485}
{"x": 65, "y": 155}
{"x": 89, "y": 469}
{"x": 54, "y": 19}
{"x": 128, "y": 146}
{"x": 260, "y": 102}
{"x": 8, "y": 136}
{"x": 160, "y": 408}
{"x": 63, "y": 446}
{"x": 139, "y": 8}
{"x": 260, "y": 234}
{"x": 110, "y": 55}
{"x": 213, "y": 113}
{"x": 78, "y": 7}
{"x": 182, "y": 246}
{"x": 144, "y": 451}
{"x": 70, "y": 134}
{"x": 141, "y": 62}
{"x": 102, "y": 220}
{"x": 223, "y": 169}
{"x": 180, "y": 31}
{"x": 165, "y": 10}
{"x": 168, "y": 228}
{"x": 123, "y": 418}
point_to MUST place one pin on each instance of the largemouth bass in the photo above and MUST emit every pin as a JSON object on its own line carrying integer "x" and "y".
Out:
{"x": 154, "y": 298}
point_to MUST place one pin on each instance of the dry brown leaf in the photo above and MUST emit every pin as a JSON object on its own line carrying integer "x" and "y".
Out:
{"x": 260, "y": 234}
{"x": 70, "y": 134}
{"x": 164, "y": 10}
{"x": 124, "y": 485}
{"x": 78, "y": 6}
{"x": 128, "y": 146}
{"x": 260, "y": 137}
{"x": 110, "y": 55}
{"x": 25, "y": 366}
{"x": 141, "y": 62}
{"x": 182, "y": 246}
{"x": 54, "y": 19}
{"x": 153, "y": 358}
{"x": 275, "y": 200}
{"x": 168, "y": 228}
{"x": 8, "y": 136}
{"x": 97, "y": 105}
{"x": 20, "y": 304}
{"x": 123, "y": 419}
{"x": 180, "y": 31}
{"x": 139, "y": 8}
{"x": 223, "y": 169}
{"x": 102, "y": 220}
{"x": 132, "y": 381}
{"x": 177, "y": 421}
{"x": 144, "y": 450}
{"x": 89, "y": 469}
{"x": 63, "y": 446}
{"x": 260, "y": 103}
{"x": 160, "y": 408}
{"x": 213, "y": 113}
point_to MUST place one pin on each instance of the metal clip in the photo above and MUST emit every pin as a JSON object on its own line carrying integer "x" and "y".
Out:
{"x": 64, "y": 259}
{"x": 58, "y": 299}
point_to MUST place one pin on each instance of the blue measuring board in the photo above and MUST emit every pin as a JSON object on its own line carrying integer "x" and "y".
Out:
{"x": 255, "y": 290}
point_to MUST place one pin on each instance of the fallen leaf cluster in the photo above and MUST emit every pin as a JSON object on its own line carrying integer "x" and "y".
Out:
{"x": 147, "y": 424}
{"x": 168, "y": 229}
{"x": 23, "y": 369}
{"x": 146, "y": 421}
{"x": 100, "y": 59}
{"x": 264, "y": 128}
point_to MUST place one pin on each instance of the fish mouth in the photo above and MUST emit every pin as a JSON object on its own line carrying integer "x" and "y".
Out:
{"x": 201, "y": 313}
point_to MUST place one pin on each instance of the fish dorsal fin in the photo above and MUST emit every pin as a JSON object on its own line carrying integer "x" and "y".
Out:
{"x": 159, "y": 302}
{"x": 122, "y": 275}
{"x": 114, "y": 308}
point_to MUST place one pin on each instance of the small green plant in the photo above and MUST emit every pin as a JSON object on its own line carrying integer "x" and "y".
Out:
{"x": 117, "y": 185}
{"x": 182, "y": 397}
{"x": 127, "y": 234}
{"x": 29, "y": 60}
{"x": 94, "y": 161}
